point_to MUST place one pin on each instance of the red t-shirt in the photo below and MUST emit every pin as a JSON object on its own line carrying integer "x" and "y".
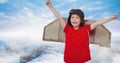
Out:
{"x": 77, "y": 44}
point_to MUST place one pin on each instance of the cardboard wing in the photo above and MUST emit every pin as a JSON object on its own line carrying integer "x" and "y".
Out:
{"x": 54, "y": 32}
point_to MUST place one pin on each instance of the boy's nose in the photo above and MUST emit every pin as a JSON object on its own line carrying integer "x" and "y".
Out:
{"x": 74, "y": 19}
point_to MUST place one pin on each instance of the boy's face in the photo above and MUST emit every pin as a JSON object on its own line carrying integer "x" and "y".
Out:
{"x": 75, "y": 20}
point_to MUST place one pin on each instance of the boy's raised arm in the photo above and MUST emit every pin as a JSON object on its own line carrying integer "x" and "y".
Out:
{"x": 61, "y": 20}
{"x": 102, "y": 21}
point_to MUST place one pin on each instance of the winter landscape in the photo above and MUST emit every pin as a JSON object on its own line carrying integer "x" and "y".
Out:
{"x": 22, "y": 23}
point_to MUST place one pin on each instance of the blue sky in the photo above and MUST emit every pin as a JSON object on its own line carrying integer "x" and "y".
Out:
{"x": 20, "y": 19}
{"x": 90, "y": 7}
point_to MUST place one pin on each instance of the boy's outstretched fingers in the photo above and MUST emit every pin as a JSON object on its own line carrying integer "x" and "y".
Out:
{"x": 48, "y": 3}
{"x": 114, "y": 16}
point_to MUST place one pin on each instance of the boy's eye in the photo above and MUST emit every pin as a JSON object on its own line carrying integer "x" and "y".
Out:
{"x": 77, "y": 17}
{"x": 72, "y": 17}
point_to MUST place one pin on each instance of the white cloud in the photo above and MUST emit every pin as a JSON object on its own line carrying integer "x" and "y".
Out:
{"x": 24, "y": 26}
{"x": 105, "y": 55}
{"x": 72, "y": 1}
{"x": 53, "y": 58}
{"x": 113, "y": 28}
{"x": 98, "y": 2}
{"x": 3, "y": 1}
{"x": 116, "y": 58}
{"x": 10, "y": 59}
{"x": 62, "y": 4}
{"x": 92, "y": 6}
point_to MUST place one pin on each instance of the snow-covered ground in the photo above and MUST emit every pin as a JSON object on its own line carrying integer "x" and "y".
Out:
{"x": 52, "y": 52}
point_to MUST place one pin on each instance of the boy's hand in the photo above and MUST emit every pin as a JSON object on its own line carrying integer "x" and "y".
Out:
{"x": 48, "y": 3}
{"x": 114, "y": 16}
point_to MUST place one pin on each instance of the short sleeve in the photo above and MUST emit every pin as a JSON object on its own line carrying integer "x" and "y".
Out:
{"x": 66, "y": 28}
{"x": 88, "y": 27}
